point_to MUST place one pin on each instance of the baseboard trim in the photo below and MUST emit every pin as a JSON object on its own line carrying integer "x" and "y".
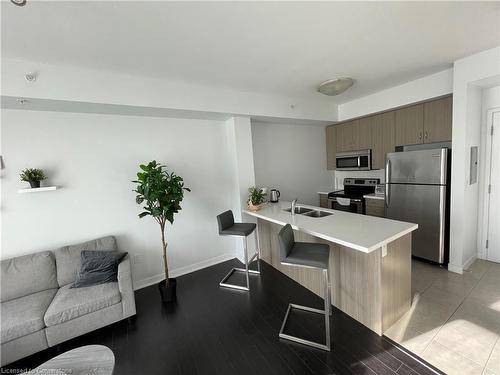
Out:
{"x": 182, "y": 270}
{"x": 456, "y": 269}
{"x": 469, "y": 261}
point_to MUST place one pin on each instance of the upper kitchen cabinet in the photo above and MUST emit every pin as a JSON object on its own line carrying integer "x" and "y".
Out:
{"x": 354, "y": 135}
{"x": 409, "y": 125}
{"x": 331, "y": 146}
{"x": 347, "y": 136}
{"x": 419, "y": 123}
{"x": 424, "y": 123}
{"x": 437, "y": 120}
{"x": 383, "y": 138}
{"x": 364, "y": 133}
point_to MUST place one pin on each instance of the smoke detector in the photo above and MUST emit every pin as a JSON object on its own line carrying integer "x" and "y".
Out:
{"x": 30, "y": 77}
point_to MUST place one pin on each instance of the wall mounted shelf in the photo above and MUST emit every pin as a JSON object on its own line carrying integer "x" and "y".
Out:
{"x": 37, "y": 190}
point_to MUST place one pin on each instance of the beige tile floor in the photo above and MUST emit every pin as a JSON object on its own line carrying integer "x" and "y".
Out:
{"x": 454, "y": 320}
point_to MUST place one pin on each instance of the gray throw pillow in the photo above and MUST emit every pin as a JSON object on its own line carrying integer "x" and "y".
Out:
{"x": 98, "y": 267}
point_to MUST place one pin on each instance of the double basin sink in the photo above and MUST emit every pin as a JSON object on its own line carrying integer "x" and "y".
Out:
{"x": 309, "y": 212}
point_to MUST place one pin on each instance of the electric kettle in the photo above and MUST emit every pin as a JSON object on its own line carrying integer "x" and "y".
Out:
{"x": 274, "y": 195}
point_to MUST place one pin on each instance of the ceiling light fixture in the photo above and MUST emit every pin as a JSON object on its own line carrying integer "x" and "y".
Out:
{"x": 335, "y": 86}
{"x": 19, "y": 3}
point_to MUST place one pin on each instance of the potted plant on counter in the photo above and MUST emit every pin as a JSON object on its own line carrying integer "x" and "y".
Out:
{"x": 33, "y": 176}
{"x": 162, "y": 193}
{"x": 256, "y": 198}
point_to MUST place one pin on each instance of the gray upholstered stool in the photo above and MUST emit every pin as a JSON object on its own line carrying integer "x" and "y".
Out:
{"x": 311, "y": 255}
{"x": 227, "y": 227}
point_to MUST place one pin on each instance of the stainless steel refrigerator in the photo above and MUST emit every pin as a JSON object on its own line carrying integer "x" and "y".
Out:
{"x": 417, "y": 191}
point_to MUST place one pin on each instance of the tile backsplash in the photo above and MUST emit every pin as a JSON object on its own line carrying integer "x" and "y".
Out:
{"x": 338, "y": 176}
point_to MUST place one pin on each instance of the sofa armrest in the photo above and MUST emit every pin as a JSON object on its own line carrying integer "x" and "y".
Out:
{"x": 126, "y": 287}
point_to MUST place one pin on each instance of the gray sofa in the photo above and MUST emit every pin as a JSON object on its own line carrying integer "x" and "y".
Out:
{"x": 40, "y": 310}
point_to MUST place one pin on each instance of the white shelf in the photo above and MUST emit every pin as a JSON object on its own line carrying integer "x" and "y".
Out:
{"x": 37, "y": 190}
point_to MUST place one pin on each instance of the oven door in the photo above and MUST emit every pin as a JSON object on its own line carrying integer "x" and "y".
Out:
{"x": 355, "y": 206}
{"x": 353, "y": 161}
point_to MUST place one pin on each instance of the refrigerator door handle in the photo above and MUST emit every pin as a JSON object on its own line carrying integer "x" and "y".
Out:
{"x": 387, "y": 181}
{"x": 443, "y": 166}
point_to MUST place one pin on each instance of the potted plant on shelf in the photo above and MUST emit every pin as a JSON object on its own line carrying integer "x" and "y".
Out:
{"x": 256, "y": 198}
{"x": 33, "y": 176}
{"x": 162, "y": 193}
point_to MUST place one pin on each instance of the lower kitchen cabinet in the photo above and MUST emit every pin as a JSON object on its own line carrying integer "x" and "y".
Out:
{"x": 375, "y": 207}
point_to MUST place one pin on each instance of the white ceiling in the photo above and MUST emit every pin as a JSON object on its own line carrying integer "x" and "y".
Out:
{"x": 283, "y": 48}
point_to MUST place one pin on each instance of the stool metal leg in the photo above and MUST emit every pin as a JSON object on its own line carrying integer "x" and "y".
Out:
{"x": 246, "y": 270}
{"x": 328, "y": 308}
{"x": 329, "y": 291}
{"x": 246, "y": 263}
{"x": 257, "y": 243}
{"x": 326, "y": 312}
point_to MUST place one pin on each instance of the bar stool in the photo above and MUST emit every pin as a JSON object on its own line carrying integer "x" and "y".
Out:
{"x": 227, "y": 227}
{"x": 310, "y": 255}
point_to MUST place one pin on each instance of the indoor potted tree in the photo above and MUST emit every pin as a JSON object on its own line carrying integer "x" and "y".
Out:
{"x": 33, "y": 176}
{"x": 162, "y": 193}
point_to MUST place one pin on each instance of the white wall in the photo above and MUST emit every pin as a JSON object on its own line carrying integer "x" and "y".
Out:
{"x": 240, "y": 159}
{"x": 94, "y": 158}
{"x": 490, "y": 100}
{"x": 292, "y": 159}
{"x": 470, "y": 74}
{"x": 427, "y": 87}
{"x": 471, "y": 191}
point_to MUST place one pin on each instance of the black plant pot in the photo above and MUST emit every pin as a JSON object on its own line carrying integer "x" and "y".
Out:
{"x": 168, "y": 293}
{"x": 34, "y": 184}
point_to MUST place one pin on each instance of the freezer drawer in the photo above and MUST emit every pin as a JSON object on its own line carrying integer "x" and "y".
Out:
{"x": 424, "y": 205}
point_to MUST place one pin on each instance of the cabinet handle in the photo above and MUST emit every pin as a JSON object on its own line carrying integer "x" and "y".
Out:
{"x": 426, "y": 135}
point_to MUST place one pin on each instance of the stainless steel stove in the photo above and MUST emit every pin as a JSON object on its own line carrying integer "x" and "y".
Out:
{"x": 351, "y": 198}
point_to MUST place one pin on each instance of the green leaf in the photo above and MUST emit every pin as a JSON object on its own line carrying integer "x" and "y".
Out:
{"x": 161, "y": 191}
{"x": 142, "y": 214}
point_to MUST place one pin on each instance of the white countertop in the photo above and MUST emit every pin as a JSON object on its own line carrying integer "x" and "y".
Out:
{"x": 374, "y": 196}
{"x": 360, "y": 232}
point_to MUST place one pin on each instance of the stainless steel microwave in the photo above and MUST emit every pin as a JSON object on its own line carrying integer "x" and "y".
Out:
{"x": 354, "y": 160}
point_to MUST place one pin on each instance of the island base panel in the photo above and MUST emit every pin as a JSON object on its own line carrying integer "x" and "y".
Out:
{"x": 374, "y": 290}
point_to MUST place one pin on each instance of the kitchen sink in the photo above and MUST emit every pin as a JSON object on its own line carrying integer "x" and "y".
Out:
{"x": 299, "y": 210}
{"x": 318, "y": 213}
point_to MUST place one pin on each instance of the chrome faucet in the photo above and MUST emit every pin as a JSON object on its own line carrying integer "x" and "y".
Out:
{"x": 293, "y": 204}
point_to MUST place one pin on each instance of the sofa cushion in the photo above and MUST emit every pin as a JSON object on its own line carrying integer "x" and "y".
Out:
{"x": 98, "y": 267}
{"x": 70, "y": 303}
{"x": 24, "y": 315}
{"x": 27, "y": 274}
{"x": 68, "y": 257}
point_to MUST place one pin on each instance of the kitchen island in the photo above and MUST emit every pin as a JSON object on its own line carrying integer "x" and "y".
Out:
{"x": 370, "y": 262}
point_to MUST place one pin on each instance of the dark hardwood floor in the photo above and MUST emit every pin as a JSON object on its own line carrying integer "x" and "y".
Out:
{"x": 213, "y": 330}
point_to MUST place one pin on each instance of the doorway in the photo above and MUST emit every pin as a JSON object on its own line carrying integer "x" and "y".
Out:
{"x": 493, "y": 189}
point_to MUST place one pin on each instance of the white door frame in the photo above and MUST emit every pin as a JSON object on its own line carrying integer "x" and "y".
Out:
{"x": 487, "y": 179}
